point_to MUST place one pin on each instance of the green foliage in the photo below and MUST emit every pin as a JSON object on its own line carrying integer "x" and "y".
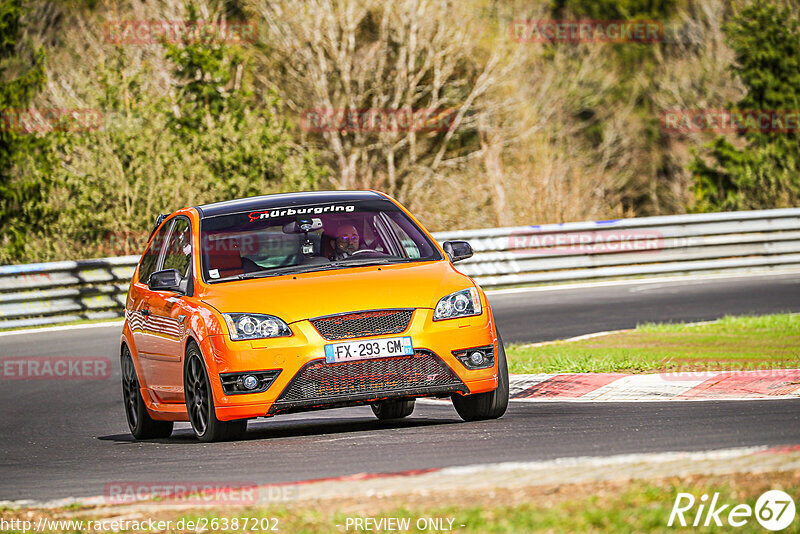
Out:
{"x": 757, "y": 169}
{"x": 766, "y": 39}
{"x": 196, "y": 122}
{"x": 206, "y": 88}
{"x": 228, "y": 129}
{"x": 22, "y": 75}
{"x": 209, "y": 138}
{"x": 634, "y": 62}
{"x": 119, "y": 177}
{"x": 616, "y": 9}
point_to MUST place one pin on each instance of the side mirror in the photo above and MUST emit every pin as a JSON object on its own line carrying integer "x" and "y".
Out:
{"x": 457, "y": 250}
{"x": 166, "y": 280}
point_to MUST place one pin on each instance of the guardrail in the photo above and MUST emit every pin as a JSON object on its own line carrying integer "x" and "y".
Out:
{"x": 64, "y": 291}
{"x": 46, "y": 293}
{"x": 677, "y": 244}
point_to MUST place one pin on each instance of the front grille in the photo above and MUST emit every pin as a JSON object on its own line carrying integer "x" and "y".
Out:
{"x": 320, "y": 383}
{"x": 362, "y": 324}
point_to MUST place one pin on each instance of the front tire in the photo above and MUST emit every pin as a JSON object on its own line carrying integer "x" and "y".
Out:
{"x": 200, "y": 403}
{"x": 392, "y": 409}
{"x": 489, "y": 405}
{"x": 139, "y": 421}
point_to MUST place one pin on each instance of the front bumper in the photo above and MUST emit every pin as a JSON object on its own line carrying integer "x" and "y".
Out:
{"x": 304, "y": 351}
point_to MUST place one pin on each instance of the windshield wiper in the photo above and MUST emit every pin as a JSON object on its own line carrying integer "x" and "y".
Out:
{"x": 365, "y": 262}
{"x": 299, "y": 269}
{"x": 292, "y": 269}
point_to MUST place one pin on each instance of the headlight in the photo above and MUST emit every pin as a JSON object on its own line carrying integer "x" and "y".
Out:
{"x": 459, "y": 304}
{"x": 255, "y": 326}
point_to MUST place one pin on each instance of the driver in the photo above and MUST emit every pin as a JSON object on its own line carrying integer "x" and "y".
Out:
{"x": 346, "y": 242}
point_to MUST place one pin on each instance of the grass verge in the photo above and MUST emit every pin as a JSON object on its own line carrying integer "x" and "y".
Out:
{"x": 611, "y": 506}
{"x": 732, "y": 343}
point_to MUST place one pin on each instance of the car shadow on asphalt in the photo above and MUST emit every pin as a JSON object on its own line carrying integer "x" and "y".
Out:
{"x": 277, "y": 429}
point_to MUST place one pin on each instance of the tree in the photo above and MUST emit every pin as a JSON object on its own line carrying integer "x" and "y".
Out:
{"x": 616, "y": 9}
{"x": 356, "y": 71}
{"x": 202, "y": 136}
{"x": 224, "y": 128}
{"x": 757, "y": 169}
{"x": 22, "y": 74}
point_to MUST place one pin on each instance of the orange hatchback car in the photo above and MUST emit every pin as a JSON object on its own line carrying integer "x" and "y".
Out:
{"x": 293, "y": 302}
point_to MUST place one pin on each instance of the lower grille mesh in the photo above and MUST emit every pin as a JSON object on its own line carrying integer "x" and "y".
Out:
{"x": 320, "y": 381}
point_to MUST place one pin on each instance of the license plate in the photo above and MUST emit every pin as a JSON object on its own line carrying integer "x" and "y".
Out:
{"x": 366, "y": 350}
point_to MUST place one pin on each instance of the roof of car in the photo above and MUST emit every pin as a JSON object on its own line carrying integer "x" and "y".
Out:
{"x": 283, "y": 200}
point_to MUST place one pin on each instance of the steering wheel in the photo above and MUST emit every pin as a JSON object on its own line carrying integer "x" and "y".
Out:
{"x": 362, "y": 250}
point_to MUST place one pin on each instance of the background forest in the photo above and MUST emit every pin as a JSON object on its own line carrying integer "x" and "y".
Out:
{"x": 538, "y": 132}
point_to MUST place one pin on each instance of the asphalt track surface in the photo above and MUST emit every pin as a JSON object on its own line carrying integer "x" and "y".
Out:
{"x": 69, "y": 438}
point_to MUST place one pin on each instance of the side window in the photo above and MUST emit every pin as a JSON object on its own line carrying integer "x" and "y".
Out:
{"x": 412, "y": 251}
{"x": 178, "y": 254}
{"x": 150, "y": 257}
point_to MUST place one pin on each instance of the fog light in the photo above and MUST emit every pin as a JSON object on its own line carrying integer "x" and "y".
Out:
{"x": 476, "y": 358}
{"x": 250, "y": 382}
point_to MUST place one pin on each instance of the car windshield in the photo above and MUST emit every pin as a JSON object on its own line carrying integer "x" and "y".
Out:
{"x": 302, "y": 238}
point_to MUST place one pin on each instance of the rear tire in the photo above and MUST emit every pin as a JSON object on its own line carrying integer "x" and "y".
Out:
{"x": 489, "y": 405}
{"x": 200, "y": 403}
{"x": 139, "y": 421}
{"x": 392, "y": 409}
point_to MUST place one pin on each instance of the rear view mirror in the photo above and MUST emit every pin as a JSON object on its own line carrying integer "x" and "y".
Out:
{"x": 457, "y": 250}
{"x": 166, "y": 280}
{"x": 302, "y": 224}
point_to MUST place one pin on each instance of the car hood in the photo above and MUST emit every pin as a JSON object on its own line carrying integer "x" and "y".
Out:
{"x": 307, "y": 295}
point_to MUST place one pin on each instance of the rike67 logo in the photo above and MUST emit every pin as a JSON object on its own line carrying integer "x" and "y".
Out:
{"x": 774, "y": 510}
